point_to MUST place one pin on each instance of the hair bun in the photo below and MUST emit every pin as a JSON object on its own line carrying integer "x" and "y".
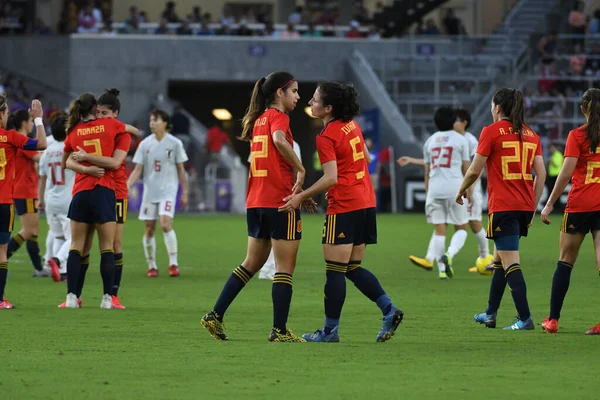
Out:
{"x": 112, "y": 91}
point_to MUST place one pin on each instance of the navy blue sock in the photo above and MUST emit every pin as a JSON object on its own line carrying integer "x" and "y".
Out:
{"x": 369, "y": 285}
{"x": 14, "y": 244}
{"x": 335, "y": 293}
{"x": 118, "y": 273}
{"x": 518, "y": 288}
{"x": 497, "y": 287}
{"x": 33, "y": 248}
{"x": 107, "y": 269}
{"x": 85, "y": 264}
{"x": 73, "y": 270}
{"x": 3, "y": 275}
{"x": 281, "y": 294}
{"x": 234, "y": 285}
{"x": 560, "y": 286}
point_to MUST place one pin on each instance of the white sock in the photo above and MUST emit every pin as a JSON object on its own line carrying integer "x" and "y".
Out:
{"x": 430, "y": 249}
{"x": 150, "y": 251}
{"x": 439, "y": 246}
{"x": 49, "y": 247}
{"x": 171, "y": 243}
{"x": 269, "y": 267}
{"x": 57, "y": 244}
{"x": 482, "y": 241}
{"x": 63, "y": 254}
{"x": 457, "y": 242}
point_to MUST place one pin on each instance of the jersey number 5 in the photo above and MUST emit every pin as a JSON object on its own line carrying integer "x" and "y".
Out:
{"x": 357, "y": 155}
{"x": 2, "y": 164}
{"x": 256, "y": 154}
{"x": 441, "y": 153}
{"x": 528, "y": 149}
{"x": 95, "y": 143}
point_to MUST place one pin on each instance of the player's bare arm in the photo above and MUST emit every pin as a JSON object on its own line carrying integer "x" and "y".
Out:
{"x": 135, "y": 175}
{"x": 41, "y": 191}
{"x": 566, "y": 172}
{"x": 404, "y": 161}
{"x": 111, "y": 163}
{"x": 465, "y": 168}
{"x": 37, "y": 114}
{"x": 426, "y": 178}
{"x": 471, "y": 177}
{"x": 539, "y": 181}
{"x": 184, "y": 184}
{"x": 132, "y": 130}
{"x": 286, "y": 150}
{"x": 91, "y": 170}
{"x": 329, "y": 178}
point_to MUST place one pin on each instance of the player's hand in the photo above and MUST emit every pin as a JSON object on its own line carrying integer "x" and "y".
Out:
{"x": 80, "y": 155}
{"x": 404, "y": 161}
{"x": 300, "y": 175}
{"x": 309, "y": 205}
{"x": 293, "y": 201}
{"x": 36, "y": 110}
{"x": 94, "y": 171}
{"x": 546, "y": 213}
{"x": 41, "y": 204}
{"x": 184, "y": 200}
{"x": 461, "y": 196}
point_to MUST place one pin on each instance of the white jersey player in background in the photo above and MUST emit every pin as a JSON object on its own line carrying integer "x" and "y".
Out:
{"x": 49, "y": 236}
{"x": 268, "y": 270}
{"x": 55, "y": 187}
{"x": 160, "y": 157}
{"x": 446, "y": 155}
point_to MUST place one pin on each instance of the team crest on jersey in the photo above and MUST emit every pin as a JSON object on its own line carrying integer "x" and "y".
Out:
{"x": 169, "y": 152}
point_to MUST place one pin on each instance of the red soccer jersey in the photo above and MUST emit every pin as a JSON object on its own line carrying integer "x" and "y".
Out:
{"x": 271, "y": 176}
{"x": 123, "y": 142}
{"x": 97, "y": 137}
{"x": 343, "y": 143}
{"x": 10, "y": 141}
{"x": 26, "y": 179}
{"x": 585, "y": 191}
{"x": 510, "y": 157}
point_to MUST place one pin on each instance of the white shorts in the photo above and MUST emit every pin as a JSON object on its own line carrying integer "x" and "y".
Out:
{"x": 151, "y": 211}
{"x": 60, "y": 225}
{"x": 477, "y": 209}
{"x": 446, "y": 211}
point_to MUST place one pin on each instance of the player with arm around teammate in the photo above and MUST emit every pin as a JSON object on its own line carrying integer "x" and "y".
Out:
{"x": 511, "y": 153}
{"x": 350, "y": 224}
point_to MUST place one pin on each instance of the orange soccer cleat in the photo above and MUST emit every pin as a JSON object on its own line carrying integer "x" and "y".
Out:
{"x": 54, "y": 270}
{"x": 152, "y": 273}
{"x": 594, "y": 330}
{"x": 173, "y": 271}
{"x": 6, "y": 304}
{"x": 116, "y": 303}
{"x": 550, "y": 325}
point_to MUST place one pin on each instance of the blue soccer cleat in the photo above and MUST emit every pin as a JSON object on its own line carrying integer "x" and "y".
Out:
{"x": 390, "y": 324}
{"x": 489, "y": 320}
{"x": 321, "y": 336}
{"x": 519, "y": 325}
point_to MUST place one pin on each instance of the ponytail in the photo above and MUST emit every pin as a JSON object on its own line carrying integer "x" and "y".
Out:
{"x": 591, "y": 105}
{"x": 110, "y": 99}
{"x": 511, "y": 104}
{"x": 79, "y": 109}
{"x": 257, "y": 106}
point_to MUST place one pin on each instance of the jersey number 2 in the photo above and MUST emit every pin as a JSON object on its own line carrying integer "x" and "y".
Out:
{"x": 262, "y": 153}
{"x": 528, "y": 148}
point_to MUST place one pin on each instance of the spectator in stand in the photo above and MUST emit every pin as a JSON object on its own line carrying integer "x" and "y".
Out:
{"x": 594, "y": 27}
{"x": 87, "y": 21}
{"x": 248, "y": 16}
{"x": 270, "y": 30}
{"x": 451, "y": 23}
{"x": 578, "y": 22}
{"x": 243, "y": 30}
{"x": 206, "y": 30}
{"x": 361, "y": 14}
{"x": 181, "y": 126}
{"x": 311, "y": 31}
{"x": 431, "y": 28}
{"x": 547, "y": 47}
{"x": 132, "y": 25}
{"x": 185, "y": 28}
{"x": 227, "y": 19}
{"x": 196, "y": 15}
{"x": 162, "y": 29}
{"x": 107, "y": 28}
{"x": 375, "y": 33}
{"x": 295, "y": 18}
{"x": 290, "y": 32}
{"x": 169, "y": 13}
{"x": 215, "y": 139}
{"x": 548, "y": 81}
{"x": 577, "y": 61}
{"x": 354, "y": 33}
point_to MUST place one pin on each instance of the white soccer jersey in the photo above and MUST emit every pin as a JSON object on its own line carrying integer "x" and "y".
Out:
{"x": 473, "y": 143}
{"x": 445, "y": 153}
{"x": 59, "y": 182}
{"x": 159, "y": 160}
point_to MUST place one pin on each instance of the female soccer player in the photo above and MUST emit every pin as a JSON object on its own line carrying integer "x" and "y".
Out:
{"x": 25, "y": 194}
{"x": 267, "y": 125}
{"x": 160, "y": 157}
{"x": 10, "y": 142}
{"x": 93, "y": 205}
{"x": 510, "y": 150}
{"x": 55, "y": 187}
{"x": 582, "y": 214}
{"x": 350, "y": 224}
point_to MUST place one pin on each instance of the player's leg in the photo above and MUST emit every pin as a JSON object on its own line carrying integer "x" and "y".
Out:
{"x": 55, "y": 232}
{"x": 595, "y": 330}
{"x": 105, "y": 218}
{"x": 31, "y": 223}
{"x": 49, "y": 245}
{"x": 85, "y": 261}
{"x": 18, "y": 239}
{"x": 458, "y": 216}
{"x": 149, "y": 214}
{"x": 268, "y": 270}
{"x": 285, "y": 230}
{"x": 63, "y": 246}
{"x": 7, "y": 218}
{"x": 79, "y": 232}
{"x": 431, "y": 214}
{"x": 166, "y": 212}
{"x": 118, "y": 247}
{"x": 427, "y": 262}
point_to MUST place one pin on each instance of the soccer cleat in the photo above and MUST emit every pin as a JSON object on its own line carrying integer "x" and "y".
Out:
{"x": 106, "y": 302}
{"x": 489, "y": 320}
{"x": 286, "y": 336}
{"x": 54, "y": 269}
{"x": 215, "y": 327}
{"x": 550, "y": 325}
{"x": 6, "y": 305}
{"x": 64, "y": 305}
{"x": 72, "y": 301}
{"x": 173, "y": 271}
{"x": 421, "y": 262}
{"x": 321, "y": 336}
{"x": 41, "y": 274}
{"x": 519, "y": 325}
{"x": 447, "y": 261}
{"x": 390, "y": 324}
{"x": 594, "y": 330}
{"x": 152, "y": 273}
{"x": 443, "y": 276}
{"x": 473, "y": 269}
{"x": 116, "y": 303}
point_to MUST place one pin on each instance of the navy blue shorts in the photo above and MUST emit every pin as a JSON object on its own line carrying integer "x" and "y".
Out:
{"x": 508, "y": 223}
{"x": 95, "y": 206}
{"x": 580, "y": 222}
{"x": 7, "y": 222}
{"x": 26, "y": 206}
{"x": 268, "y": 223}
{"x": 354, "y": 227}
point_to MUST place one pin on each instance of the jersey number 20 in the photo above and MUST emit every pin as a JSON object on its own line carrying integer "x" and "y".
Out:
{"x": 523, "y": 156}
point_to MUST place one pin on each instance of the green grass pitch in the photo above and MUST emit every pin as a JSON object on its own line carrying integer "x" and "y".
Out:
{"x": 157, "y": 349}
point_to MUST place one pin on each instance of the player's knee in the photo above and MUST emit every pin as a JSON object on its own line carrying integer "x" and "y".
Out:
{"x": 118, "y": 246}
{"x": 149, "y": 231}
{"x": 166, "y": 226}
